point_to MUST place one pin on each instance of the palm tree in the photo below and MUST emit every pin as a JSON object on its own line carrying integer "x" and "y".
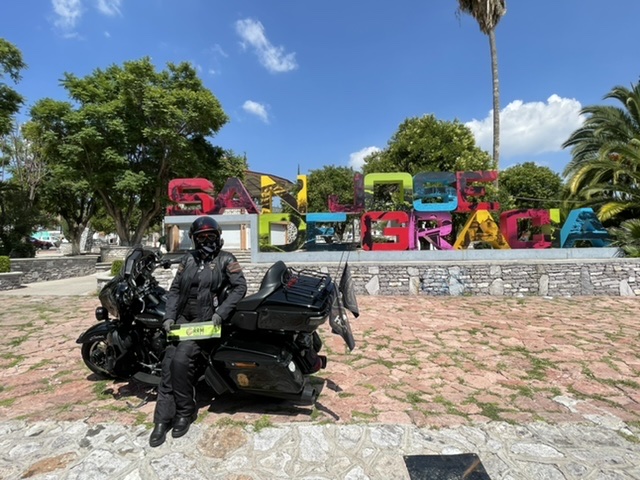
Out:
{"x": 488, "y": 13}
{"x": 604, "y": 172}
{"x": 627, "y": 236}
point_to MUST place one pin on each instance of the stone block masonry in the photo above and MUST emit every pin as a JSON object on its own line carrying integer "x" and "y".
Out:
{"x": 606, "y": 277}
{"x": 42, "y": 269}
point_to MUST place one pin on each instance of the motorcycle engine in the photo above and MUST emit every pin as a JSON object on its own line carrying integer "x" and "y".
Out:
{"x": 158, "y": 343}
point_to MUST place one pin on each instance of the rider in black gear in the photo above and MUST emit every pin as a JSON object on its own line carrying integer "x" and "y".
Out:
{"x": 193, "y": 297}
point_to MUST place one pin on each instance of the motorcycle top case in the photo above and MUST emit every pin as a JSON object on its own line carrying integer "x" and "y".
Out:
{"x": 260, "y": 367}
{"x": 302, "y": 304}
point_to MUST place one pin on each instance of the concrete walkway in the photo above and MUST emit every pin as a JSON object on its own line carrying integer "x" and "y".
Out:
{"x": 86, "y": 285}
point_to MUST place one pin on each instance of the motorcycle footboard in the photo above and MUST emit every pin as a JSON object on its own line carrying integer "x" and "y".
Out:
{"x": 147, "y": 379}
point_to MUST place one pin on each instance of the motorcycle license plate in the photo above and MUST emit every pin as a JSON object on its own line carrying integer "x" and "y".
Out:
{"x": 194, "y": 331}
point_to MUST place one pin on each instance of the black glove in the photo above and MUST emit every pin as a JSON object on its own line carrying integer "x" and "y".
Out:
{"x": 167, "y": 324}
{"x": 216, "y": 319}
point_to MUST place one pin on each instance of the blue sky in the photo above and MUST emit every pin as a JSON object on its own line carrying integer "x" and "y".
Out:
{"x": 311, "y": 83}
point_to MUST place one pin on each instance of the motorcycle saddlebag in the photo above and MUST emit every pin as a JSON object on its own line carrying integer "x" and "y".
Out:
{"x": 260, "y": 368}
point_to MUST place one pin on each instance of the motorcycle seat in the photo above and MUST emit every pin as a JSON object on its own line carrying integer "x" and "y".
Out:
{"x": 271, "y": 281}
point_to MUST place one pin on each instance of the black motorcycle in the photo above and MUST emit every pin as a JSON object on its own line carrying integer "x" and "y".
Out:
{"x": 269, "y": 346}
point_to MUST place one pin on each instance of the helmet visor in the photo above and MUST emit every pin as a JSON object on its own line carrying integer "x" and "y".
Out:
{"x": 207, "y": 237}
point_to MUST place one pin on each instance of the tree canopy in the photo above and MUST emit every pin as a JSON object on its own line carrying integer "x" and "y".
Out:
{"x": 604, "y": 172}
{"x": 11, "y": 64}
{"x": 531, "y": 186}
{"x": 127, "y": 131}
{"x": 426, "y": 144}
{"x": 329, "y": 180}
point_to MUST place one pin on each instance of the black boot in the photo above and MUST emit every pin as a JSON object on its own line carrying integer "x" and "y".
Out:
{"x": 159, "y": 434}
{"x": 181, "y": 425}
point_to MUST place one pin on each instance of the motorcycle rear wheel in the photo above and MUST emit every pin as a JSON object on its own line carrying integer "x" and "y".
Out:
{"x": 94, "y": 355}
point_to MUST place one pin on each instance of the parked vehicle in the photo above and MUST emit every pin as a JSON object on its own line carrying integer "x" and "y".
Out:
{"x": 269, "y": 346}
{"x": 41, "y": 244}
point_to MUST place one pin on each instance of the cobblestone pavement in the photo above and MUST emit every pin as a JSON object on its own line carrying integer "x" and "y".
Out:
{"x": 539, "y": 388}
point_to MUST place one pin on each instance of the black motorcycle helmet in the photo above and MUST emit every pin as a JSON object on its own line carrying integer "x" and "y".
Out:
{"x": 206, "y": 235}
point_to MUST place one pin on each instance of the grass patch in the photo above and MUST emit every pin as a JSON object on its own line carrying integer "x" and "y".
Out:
{"x": 101, "y": 391}
{"x": 65, "y": 408}
{"x": 7, "y": 402}
{"x": 539, "y": 366}
{"x": 41, "y": 363}
{"x": 629, "y": 438}
{"x": 414, "y": 398}
{"x": 368, "y": 332}
{"x": 619, "y": 383}
{"x": 490, "y": 410}
{"x": 363, "y": 415}
{"x": 140, "y": 419}
{"x": 118, "y": 408}
{"x": 262, "y": 423}
{"x": 385, "y": 363}
{"x": 451, "y": 408}
{"x": 413, "y": 361}
{"x": 18, "y": 341}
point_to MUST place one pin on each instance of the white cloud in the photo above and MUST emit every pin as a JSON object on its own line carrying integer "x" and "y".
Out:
{"x": 356, "y": 159}
{"x": 109, "y": 7}
{"x": 257, "y": 109}
{"x": 271, "y": 57}
{"x": 530, "y": 128}
{"x": 68, "y": 13}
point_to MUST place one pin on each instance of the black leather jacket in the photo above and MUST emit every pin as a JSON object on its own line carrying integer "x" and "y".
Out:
{"x": 215, "y": 274}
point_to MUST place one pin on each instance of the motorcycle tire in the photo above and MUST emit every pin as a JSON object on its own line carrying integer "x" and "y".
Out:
{"x": 95, "y": 358}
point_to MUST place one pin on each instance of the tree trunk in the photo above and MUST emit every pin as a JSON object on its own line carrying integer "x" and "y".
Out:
{"x": 75, "y": 245}
{"x": 496, "y": 101}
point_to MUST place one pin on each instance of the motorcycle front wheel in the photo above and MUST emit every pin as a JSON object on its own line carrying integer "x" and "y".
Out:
{"x": 96, "y": 356}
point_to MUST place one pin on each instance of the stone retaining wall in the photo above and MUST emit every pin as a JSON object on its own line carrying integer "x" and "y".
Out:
{"x": 41, "y": 269}
{"x": 609, "y": 277}
{"x": 10, "y": 280}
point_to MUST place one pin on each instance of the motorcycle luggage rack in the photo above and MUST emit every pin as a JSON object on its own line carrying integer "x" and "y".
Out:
{"x": 308, "y": 284}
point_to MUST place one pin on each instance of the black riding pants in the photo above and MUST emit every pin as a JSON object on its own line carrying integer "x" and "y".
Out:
{"x": 176, "y": 393}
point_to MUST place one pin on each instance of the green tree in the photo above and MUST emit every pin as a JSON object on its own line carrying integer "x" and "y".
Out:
{"x": 531, "y": 186}
{"x": 604, "y": 172}
{"x": 329, "y": 180}
{"x": 129, "y": 131}
{"x": 64, "y": 190}
{"x": 488, "y": 14}
{"x": 426, "y": 144}
{"x": 22, "y": 191}
{"x": 11, "y": 64}
{"x": 17, "y": 220}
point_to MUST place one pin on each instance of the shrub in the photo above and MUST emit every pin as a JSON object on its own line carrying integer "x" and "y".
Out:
{"x": 5, "y": 264}
{"x": 23, "y": 250}
{"x": 116, "y": 266}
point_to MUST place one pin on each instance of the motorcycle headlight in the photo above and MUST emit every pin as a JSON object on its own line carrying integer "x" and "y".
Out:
{"x": 102, "y": 314}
